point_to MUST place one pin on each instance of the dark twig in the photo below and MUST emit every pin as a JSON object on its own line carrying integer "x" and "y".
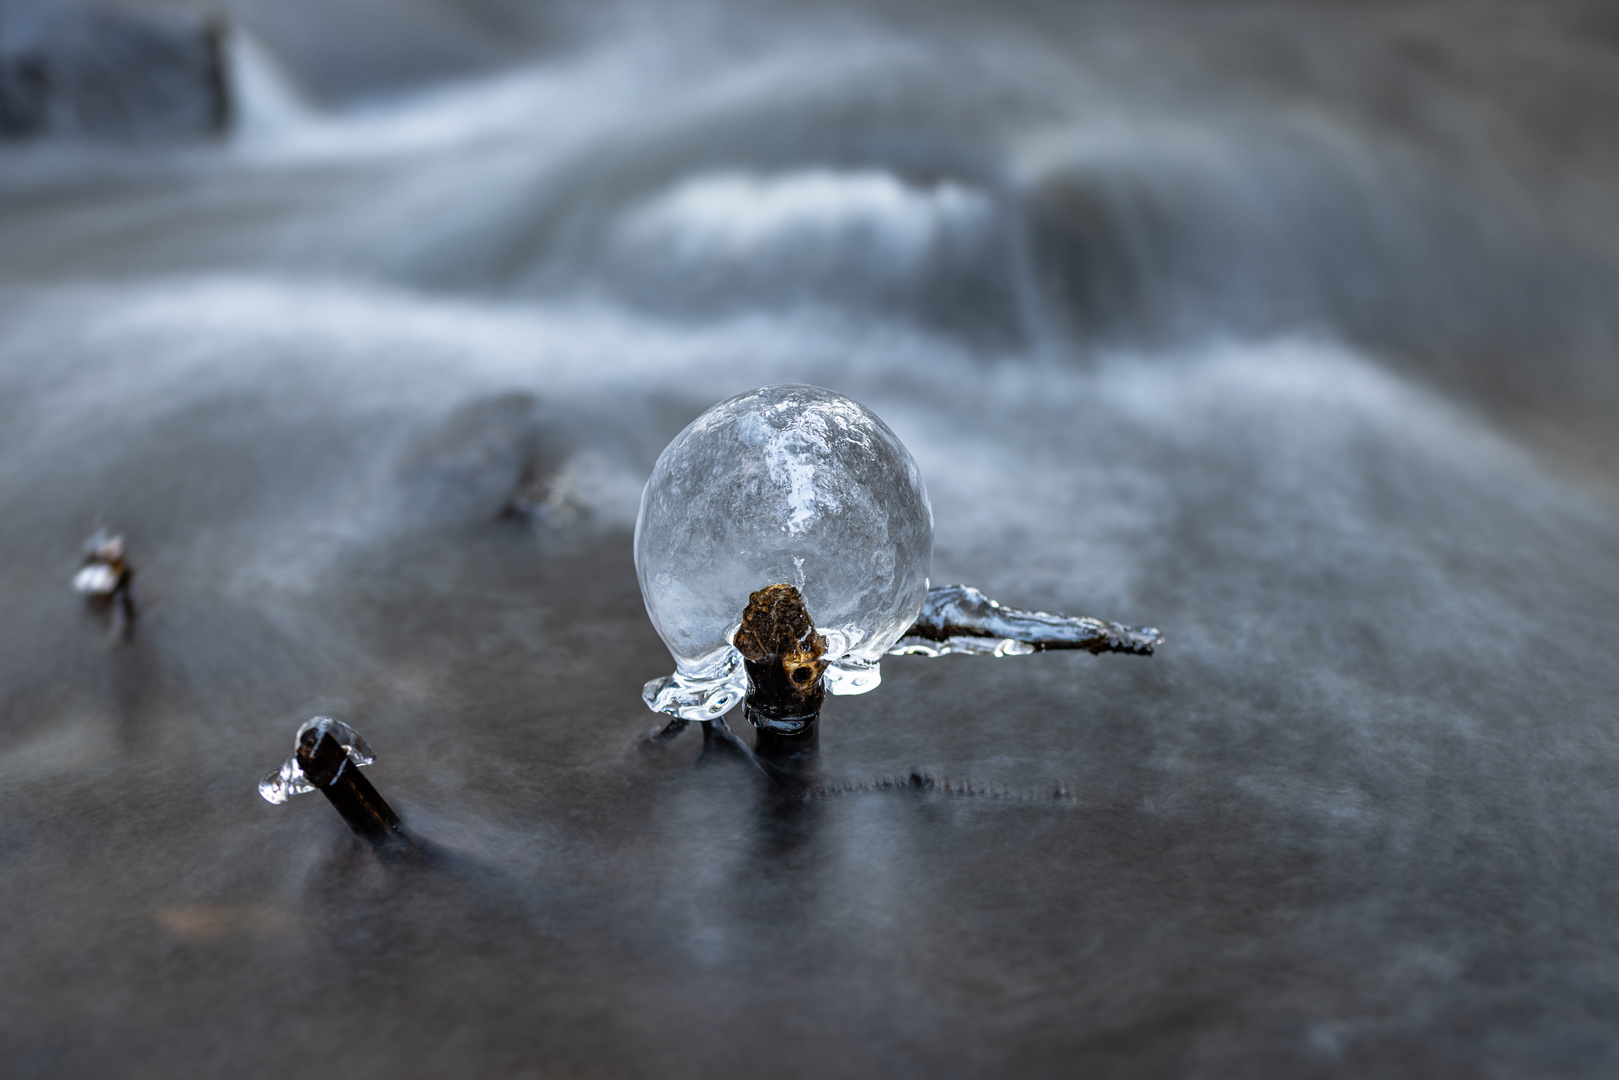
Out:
{"x": 327, "y": 758}
{"x": 782, "y": 652}
{"x": 107, "y": 581}
{"x": 334, "y": 775}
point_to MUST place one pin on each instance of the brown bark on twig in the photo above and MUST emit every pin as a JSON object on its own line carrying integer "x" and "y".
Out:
{"x": 782, "y": 653}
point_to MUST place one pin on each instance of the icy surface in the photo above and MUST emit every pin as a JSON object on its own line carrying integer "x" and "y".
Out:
{"x": 790, "y": 484}
{"x": 289, "y": 780}
{"x": 961, "y": 619}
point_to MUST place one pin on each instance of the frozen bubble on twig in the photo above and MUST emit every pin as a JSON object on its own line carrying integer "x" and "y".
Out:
{"x": 289, "y": 780}
{"x": 800, "y": 505}
{"x": 958, "y": 619}
{"x": 784, "y": 485}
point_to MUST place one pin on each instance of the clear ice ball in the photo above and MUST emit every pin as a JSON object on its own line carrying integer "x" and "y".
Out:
{"x": 788, "y": 484}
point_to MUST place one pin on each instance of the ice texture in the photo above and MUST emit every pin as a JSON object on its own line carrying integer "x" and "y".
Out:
{"x": 791, "y": 484}
{"x": 289, "y": 780}
{"x": 960, "y": 619}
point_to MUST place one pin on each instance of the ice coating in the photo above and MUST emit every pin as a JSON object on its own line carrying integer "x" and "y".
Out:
{"x": 958, "y": 619}
{"x": 289, "y": 780}
{"x": 790, "y": 484}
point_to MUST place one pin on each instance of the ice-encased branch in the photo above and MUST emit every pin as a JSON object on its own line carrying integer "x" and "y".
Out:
{"x": 289, "y": 780}
{"x": 960, "y": 619}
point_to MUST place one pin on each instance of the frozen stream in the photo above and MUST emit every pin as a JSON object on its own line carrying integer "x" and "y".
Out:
{"x": 1287, "y": 332}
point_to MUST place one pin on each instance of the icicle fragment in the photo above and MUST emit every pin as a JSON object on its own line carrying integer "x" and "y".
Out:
{"x": 959, "y": 619}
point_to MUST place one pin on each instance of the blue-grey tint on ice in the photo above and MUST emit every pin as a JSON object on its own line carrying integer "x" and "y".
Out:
{"x": 289, "y": 779}
{"x": 791, "y": 484}
{"x": 959, "y": 619}
{"x": 1286, "y": 329}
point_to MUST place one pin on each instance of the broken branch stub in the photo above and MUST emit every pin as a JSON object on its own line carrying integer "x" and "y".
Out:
{"x": 107, "y": 581}
{"x": 326, "y": 757}
{"x": 331, "y": 771}
{"x": 782, "y": 652}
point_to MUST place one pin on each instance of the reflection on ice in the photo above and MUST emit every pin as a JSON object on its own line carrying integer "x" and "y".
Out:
{"x": 798, "y": 486}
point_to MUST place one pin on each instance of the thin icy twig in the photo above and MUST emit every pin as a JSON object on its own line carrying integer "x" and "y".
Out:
{"x": 960, "y": 619}
{"x": 289, "y": 780}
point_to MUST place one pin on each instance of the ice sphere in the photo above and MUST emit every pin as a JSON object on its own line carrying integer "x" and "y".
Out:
{"x": 790, "y": 484}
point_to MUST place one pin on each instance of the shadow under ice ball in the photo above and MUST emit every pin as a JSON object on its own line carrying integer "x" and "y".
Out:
{"x": 789, "y": 484}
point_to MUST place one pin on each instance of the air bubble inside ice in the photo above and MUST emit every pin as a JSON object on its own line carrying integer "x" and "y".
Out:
{"x": 790, "y": 484}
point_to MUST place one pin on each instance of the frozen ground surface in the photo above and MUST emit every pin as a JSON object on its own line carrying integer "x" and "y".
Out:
{"x": 1287, "y": 330}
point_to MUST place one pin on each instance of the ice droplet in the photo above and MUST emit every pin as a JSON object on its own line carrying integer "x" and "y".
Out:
{"x": 790, "y": 484}
{"x": 284, "y": 783}
{"x": 97, "y": 579}
{"x": 289, "y": 780}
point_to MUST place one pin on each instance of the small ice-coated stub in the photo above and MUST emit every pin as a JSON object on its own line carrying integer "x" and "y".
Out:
{"x": 290, "y": 780}
{"x": 784, "y": 484}
{"x": 103, "y": 569}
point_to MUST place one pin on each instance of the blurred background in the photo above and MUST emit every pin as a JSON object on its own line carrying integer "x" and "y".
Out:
{"x": 1290, "y": 328}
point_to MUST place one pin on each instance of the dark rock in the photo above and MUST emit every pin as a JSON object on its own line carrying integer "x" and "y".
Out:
{"x": 122, "y": 70}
